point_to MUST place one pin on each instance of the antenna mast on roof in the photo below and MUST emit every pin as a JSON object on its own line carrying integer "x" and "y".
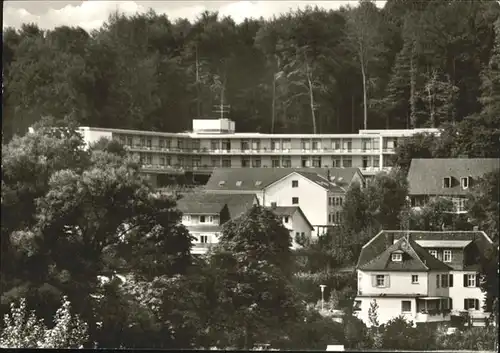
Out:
{"x": 222, "y": 108}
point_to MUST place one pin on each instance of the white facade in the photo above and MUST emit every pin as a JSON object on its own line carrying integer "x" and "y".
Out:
{"x": 296, "y": 225}
{"x": 297, "y": 190}
{"x": 213, "y": 143}
{"x": 205, "y": 228}
{"x": 422, "y": 292}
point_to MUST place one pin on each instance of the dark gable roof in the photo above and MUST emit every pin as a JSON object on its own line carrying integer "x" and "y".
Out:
{"x": 415, "y": 258}
{"x": 384, "y": 240}
{"x": 193, "y": 207}
{"x": 425, "y": 176}
{"x": 281, "y": 211}
{"x": 236, "y": 203}
{"x": 322, "y": 181}
{"x": 256, "y": 179}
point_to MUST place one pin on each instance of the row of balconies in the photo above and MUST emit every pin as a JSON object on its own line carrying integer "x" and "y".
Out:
{"x": 256, "y": 151}
{"x": 179, "y": 167}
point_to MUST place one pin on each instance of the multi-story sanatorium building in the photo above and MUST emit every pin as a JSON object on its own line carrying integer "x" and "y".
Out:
{"x": 214, "y": 143}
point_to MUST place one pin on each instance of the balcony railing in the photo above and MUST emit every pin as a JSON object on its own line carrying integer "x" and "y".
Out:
{"x": 262, "y": 150}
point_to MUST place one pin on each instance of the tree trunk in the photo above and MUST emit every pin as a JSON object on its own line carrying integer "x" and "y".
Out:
{"x": 311, "y": 97}
{"x": 365, "y": 103}
{"x": 198, "y": 93}
{"x": 352, "y": 114}
{"x": 273, "y": 105}
{"x": 413, "y": 100}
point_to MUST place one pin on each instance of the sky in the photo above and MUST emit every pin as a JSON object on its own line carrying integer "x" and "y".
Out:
{"x": 91, "y": 14}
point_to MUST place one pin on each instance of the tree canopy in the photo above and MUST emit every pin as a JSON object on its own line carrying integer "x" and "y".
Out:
{"x": 409, "y": 64}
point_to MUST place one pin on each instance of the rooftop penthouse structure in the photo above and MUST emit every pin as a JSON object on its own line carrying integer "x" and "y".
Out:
{"x": 214, "y": 143}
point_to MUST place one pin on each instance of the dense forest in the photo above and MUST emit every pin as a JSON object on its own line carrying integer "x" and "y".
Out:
{"x": 411, "y": 64}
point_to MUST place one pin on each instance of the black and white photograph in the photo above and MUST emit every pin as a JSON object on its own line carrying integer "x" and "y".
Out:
{"x": 251, "y": 175}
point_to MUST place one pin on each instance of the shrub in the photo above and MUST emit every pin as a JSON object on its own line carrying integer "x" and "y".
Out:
{"x": 22, "y": 329}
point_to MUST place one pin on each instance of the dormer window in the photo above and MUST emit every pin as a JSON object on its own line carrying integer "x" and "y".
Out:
{"x": 238, "y": 183}
{"x": 464, "y": 182}
{"x": 397, "y": 257}
{"x": 433, "y": 253}
{"x": 447, "y": 182}
{"x": 221, "y": 183}
{"x": 258, "y": 183}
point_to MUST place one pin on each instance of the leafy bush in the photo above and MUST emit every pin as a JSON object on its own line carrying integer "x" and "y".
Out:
{"x": 22, "y": 329}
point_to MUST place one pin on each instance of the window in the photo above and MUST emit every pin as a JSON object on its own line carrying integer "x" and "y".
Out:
{"x": 180, "y": 144}
{"x": 245, "y": 162}
{"x": 330, "y": 218}
{"x": 226, "y": 145}
{"x": 337, "y": 217}
{"x": 143, "y": 141}
{"x": 471, "y": 280}
{"x": 405, "y": 306}
{"x": 295, "y": 200}
{"x": 330, "y": 201}
{"x": 295, "y": 183}
{"x": 447, "y": 182}
{"x": 162, "y": 161}
{"x": 195, "y": 145}
{"x": 380, "y": 280}
{"x": 347, "y": 162}
{"x": 273, "y": 204}
{"x": 203, "y": 239}
{"x": 316, "y": 145}
{"x": 336, "y": 162}
{"x": 245, "y": 145}
{"x": 275, "y": 145}
{"x": 306, "y": 144}
{"x": 255, "y": 145}
{"x": 149, "y": 159}
{"x": 347, "y": 145}
{"x": 305, "y": 162}
{"x": 366, "y": 162}
{"x": 214, "y": 145}
{"x": 471, "y": 304}
{"x": 438, "y": 283}
{"x": 215, "y": 162}
{"x": 336, "y": 144}
{"x": 226, "y": 163}
{"x": 129, "y": 141}
{"x": 275, "y": 163}
{"x": 464, "y": 182}
{"x": 376, "y": 161}
{"x": 286, "y": 162}
{"x": 444, "y": 281}
{"x": 397, "y": 257}
{"x": 316, "y": 162}
{"x": 414, "y": 279}
{"x": 202, "y": 219}
{"x": 357, "y": 305}
{"x": 286, "y": 219}
{"x": 238, "y": 183}
{"x": 287, "y": 144}
{"x": 256, "y": 163}
{"x": 186, "y": 218}
{"x": 433, "y": 253}
{"x": 447, "y": 256}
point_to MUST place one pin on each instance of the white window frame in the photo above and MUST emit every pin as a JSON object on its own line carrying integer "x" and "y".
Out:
{"x": 414, "y": 279}
{"x": 464, "y": 182}
{"x": 382, "y": 283}
{"x": 447, "y": 256}
{"x": 444, "y": 182}
{"x": 469, "y": 300}
{"x": 471, "y": 280}
{"x": 433, "y": 253}
{"x": 203, "y": 239}
{"x": 397, "y": 257}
